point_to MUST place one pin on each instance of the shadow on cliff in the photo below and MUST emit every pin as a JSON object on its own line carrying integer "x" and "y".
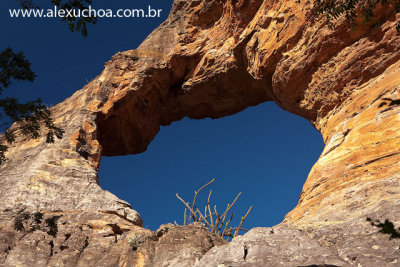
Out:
{"x": 387, "y": 227}
{"x": 389, "y": 102}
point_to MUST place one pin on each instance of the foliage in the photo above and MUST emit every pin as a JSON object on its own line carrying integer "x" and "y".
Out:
{"x": 14, "y": 66}
{"x": 24, "y": 221}
{"x": 52, "y": 224}
{"x": 29, "y": 116}
{"x": 215, "y": 224}
{"x": 78, "y": 24}
{"x": 26, "y": 4}
{"x": 19, "y": 220}
{"x": 333, "y": 9}
{"x": 38, "y": 216}
{"x": 37, "y": 220}
{"x": 135, "y": 241}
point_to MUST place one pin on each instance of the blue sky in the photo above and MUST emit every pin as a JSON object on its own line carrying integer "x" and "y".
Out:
{"x": 263, "y": 152}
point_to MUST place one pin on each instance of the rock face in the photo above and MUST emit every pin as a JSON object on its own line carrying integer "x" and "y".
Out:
{"x": 211, "y": 59}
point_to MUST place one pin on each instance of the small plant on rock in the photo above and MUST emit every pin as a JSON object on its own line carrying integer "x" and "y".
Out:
{"x": 20, "y": 218}
{"x": 351, "y": 9}
{"x": 135, "y": 241}
{"x": 211, "y": 218}
{"x": 52, "y": 224}
{"x": 37, "y": 220}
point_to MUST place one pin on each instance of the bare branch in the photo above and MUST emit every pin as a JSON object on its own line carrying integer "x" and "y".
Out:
{"x": 198, "y": 191}
{"x": 241, "y": 221}
{"x": 209, "y": 209}
{"x": 187, "y": 206}
{"x": 227, "y": 224}
{"x": 184, "y": 217}
{"x": 217, "y": 226}
{"x": 231, "y": 205}
{"x": 203, "y": 219}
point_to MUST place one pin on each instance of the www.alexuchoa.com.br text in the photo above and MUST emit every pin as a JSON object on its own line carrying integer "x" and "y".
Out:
{"x": 55, "y": 12}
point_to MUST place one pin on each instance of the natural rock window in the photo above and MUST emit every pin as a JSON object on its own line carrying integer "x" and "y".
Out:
{"x": 264, "y": 152}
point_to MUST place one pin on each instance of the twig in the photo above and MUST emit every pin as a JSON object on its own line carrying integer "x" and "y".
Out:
{"x": 209, "y": 209}
{"x": 187, "y": 205}
{"x": 231, "y": 205}
{"x": 198, "y": 191}
{"x": 184, "y": 216}
{"x": 227, "y": 224}
{"x": 217, "y": 226}
{"x": 203, "y": 219}
{"x": 222, "y": 217}
{"x": 241, "y": 221}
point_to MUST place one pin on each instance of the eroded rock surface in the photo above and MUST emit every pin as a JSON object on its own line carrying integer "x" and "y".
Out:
{"x": 211, "y": 59}
{"x": 95, "y": 239}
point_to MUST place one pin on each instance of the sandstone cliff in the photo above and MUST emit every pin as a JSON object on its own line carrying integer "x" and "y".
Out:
{"x": 212, "y": 59}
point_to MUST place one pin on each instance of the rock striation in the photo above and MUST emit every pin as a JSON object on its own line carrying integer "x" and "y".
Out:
{"x": 211, "y": 59}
